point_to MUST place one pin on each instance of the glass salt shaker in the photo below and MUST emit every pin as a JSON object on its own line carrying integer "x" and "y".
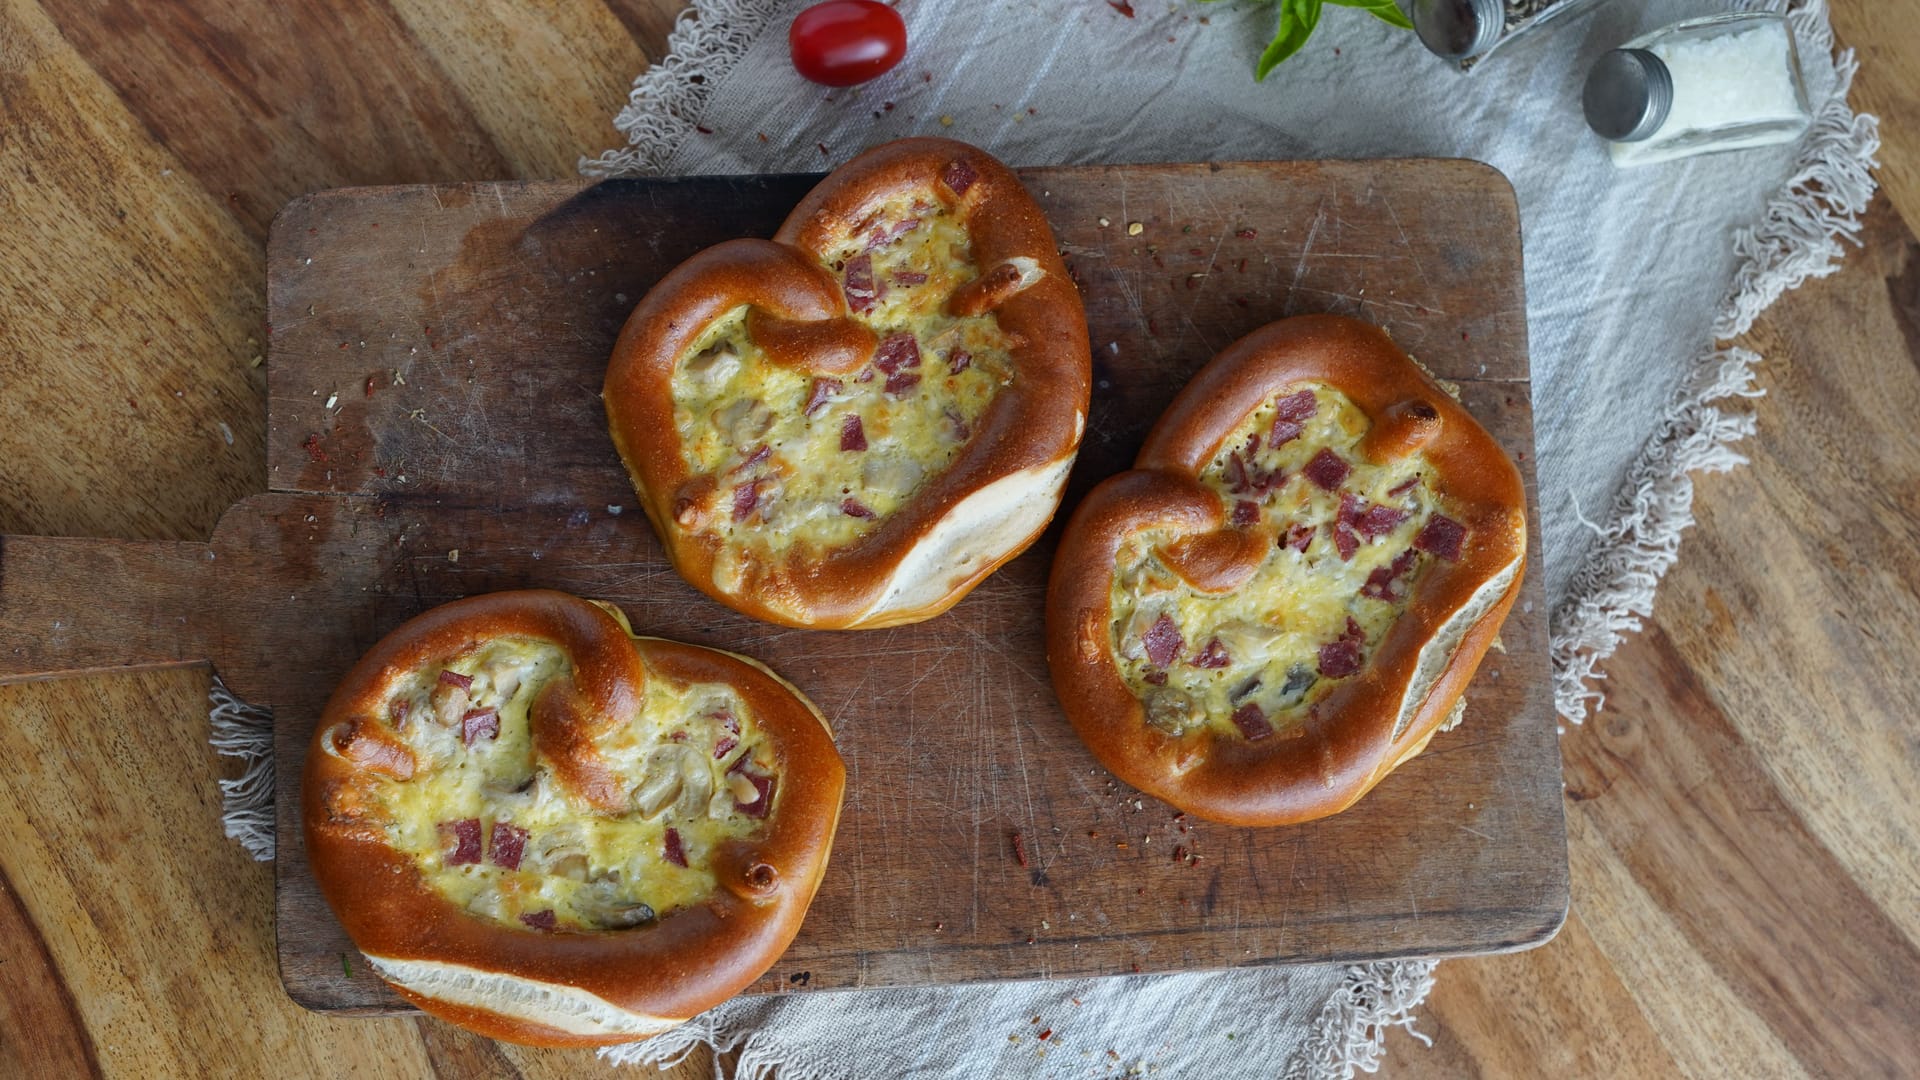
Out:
{"x": 1727, "y": 82}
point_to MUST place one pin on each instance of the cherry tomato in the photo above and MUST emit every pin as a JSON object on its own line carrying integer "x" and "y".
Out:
{"x": 846, "y": 42}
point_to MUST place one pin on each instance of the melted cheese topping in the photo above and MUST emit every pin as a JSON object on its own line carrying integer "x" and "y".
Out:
{"x": 794, "y": 439}
{"x": 1264, "y": 644}
{"x": 682, "y": 761}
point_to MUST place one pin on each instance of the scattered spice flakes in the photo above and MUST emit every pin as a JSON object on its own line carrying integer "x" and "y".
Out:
{"x": 315, "y": 452}
{"x": 370, "y": 379}
{"x": 1179, "y": 853}
{"x": 1246, "y": 234}
{"x": 1045, "y": 1035}
{"x": 703, "y": 129}
{"x": 1121, "y": 6}
{"x": 1019, "y": 848}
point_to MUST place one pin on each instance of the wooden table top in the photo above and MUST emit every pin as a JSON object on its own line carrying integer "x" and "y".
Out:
{"x": 1745, "y": 896}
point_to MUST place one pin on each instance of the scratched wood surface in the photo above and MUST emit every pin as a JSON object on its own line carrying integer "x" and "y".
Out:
{"x": 433, "y": 363}
{"x": 144, "y": 150}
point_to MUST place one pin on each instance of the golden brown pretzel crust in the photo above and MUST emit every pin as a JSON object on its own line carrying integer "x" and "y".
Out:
{"x": 1034, "y": 422}
{"x": 690, "y": 959}
{"x": 1347, "y": 744}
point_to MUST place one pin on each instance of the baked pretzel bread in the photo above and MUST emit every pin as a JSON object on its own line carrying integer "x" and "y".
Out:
{"x": 854, "y": 423}
{"x": 1288, "y": 593}
{"x": 548, "y": 831}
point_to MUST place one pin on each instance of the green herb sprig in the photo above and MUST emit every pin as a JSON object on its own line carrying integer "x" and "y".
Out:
{"x": 1298, "y": 18}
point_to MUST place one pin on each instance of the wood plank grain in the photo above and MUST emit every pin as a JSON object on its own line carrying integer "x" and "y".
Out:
{"x": 130, "y": 305}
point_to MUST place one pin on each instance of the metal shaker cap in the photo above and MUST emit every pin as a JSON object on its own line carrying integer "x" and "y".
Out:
{"x": 1628, "y": 95}
{"x": 1458, "y": 29}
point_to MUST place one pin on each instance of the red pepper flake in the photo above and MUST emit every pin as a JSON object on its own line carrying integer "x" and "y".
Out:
{"x": 508, "y": 843}
{"x": 703, "y": 129}
{"x": 1121, "y": 6}
{"x": 762, "y": 134}
{"x": 855, "y": 508}
{"x": 1179, "y": 852}
{"x": 1043, "y": 1036}
{"x": 370, "y": 379}
{"x": 539, "y": 920}
{"x": 449, "y": 677}
{"x": 312, "y": 446}
{"x": 1247, "y": 234}
{"x": 478, "y": 724}
{"x": 675, "y": 852}
{"x": 853, "y": 435}
{"x": 1019, "y": 848}
{"x": 823, "y": 148}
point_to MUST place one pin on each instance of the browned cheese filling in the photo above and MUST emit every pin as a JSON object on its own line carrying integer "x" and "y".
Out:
{"x": 1350, "y": 540}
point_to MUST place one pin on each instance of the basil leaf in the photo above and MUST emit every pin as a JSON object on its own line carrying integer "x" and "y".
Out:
{"x": 1297, "y": 20}
{"x": 1385, "y": 10}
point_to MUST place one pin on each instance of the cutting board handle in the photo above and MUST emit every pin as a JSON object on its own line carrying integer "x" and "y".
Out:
{"x": 76, "y": 605}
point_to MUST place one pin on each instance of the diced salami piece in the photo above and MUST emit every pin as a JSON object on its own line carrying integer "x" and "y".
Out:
{"x": 1246, "y": 512}
{"x": 540, "y": 920}
{"x": 460, "y": 841}
{"x": 1345, "y": 540}
{"x": 1441, "y": 536}
{"x": 1298, "y": 537}
{"x": 1370, "y": 519}
{"x": 763, "y": 789}
{"x": 725, "y": 718}
{"x": 479, "y": 724}
{"x": 897, "y": 352}
{"x": 1213, "y": 656}
{"x": 863, "y": 291}
{"x": 1339, "y": 659}
{"x": 745, "y": 498}
{"x": 508, "y": 844}
{"x": 1300, "y": 406}
{"x": 856, "y": 508}
{"x": 1404, "y": 486}
{"x": 901, "y": 383}
{"x": 962, "y": 430}
{"x": 1290, "y": 414}
{"x": 1235, "y": 474}
{"x": 821, "y": 394}
{"x": 1252, "y": 722}
{"x": 881, "y": 237}
{"x": 958, "y": 361}
{"x": 908, "y": 278}
{"x": 724, "y": 747}
{"x": 675, "y": 852}
{"x": 1383, "y": 583}
{"x": 397, "y": 713}
{"x": 1163, "y": 641}
{"x": 1327, "y": 469}
{"x": 1157, "y": 678}
{"x": 1353, "y": 632}
{"x": 454, "y": 678}
{"x": 853, "y": 434}
{"x": 758, "y": 457}
{"x": 959, "y": 176}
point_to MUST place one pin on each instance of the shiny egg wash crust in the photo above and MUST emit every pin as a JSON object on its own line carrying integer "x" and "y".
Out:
{"x": 492, "y": 830}
{"x": 801, "y": 459}
{"x": 1350, "y": 539}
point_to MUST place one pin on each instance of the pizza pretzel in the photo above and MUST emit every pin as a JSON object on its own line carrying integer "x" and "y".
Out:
{"x": 479, "y": 803}
{"x": 1416, "y": 524}
{"x": 817, "y": 305}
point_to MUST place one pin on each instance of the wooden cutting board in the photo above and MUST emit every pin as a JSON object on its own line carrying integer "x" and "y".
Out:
{"x": 434, "y": 430}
